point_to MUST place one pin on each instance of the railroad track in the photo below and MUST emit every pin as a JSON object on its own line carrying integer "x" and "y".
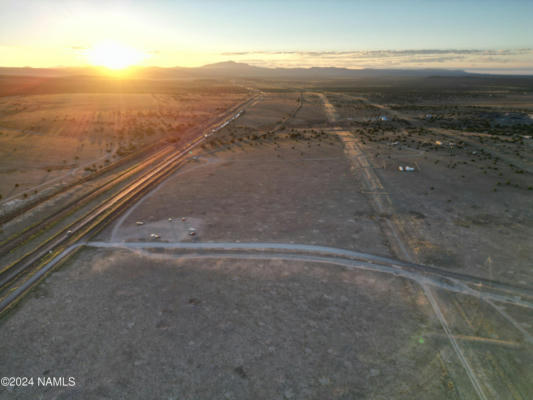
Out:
{"x": 18, "y": 277}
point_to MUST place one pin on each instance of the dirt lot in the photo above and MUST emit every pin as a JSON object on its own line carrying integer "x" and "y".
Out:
{"x": 272, "y": 108}
{"x": 246, "y": 193}
{"x": 310, "y": 114}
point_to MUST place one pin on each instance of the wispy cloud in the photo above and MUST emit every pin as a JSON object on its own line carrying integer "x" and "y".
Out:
{"x": 446, "y": 58}
{"x": 385, "y": 53}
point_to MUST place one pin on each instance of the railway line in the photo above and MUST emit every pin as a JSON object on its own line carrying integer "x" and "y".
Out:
{"x": 18, "y": 276}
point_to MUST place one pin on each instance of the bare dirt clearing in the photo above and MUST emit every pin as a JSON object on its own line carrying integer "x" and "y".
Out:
{"x": 247, "y": 193}
{"x": 236, "y": 329}
{"x": 272, "y": 108}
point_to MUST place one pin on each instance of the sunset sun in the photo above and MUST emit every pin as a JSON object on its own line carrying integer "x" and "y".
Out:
{"x": 114, "y": 56}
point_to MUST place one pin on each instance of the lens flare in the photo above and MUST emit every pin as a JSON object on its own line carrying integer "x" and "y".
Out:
{"x": 114, "y": 55}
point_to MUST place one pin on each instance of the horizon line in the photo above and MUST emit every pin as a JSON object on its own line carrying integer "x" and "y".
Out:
{"x": 520, "y": 71}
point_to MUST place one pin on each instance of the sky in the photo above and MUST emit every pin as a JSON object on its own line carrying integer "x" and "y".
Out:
{"x": 468, "y": 34}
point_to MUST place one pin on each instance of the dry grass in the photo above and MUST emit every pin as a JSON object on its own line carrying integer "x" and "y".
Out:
{"x": 43, "y": 137}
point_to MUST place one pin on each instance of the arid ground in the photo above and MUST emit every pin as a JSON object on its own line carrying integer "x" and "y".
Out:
{"x": 54, "y": 138}
{"x": 254, "y": 271}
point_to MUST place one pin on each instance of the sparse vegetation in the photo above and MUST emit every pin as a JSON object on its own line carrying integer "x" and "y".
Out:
{"x": 98, "y": 127}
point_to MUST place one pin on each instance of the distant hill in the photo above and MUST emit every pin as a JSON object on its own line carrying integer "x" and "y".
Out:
{"x": 218, "y": 77}
{"x": 234, "y": 69}
{"x": 231, "y": 69}
{"x": 46, "y": 72}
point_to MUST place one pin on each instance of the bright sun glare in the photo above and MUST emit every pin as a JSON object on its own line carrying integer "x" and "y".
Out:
{"x": 114, "y": 55}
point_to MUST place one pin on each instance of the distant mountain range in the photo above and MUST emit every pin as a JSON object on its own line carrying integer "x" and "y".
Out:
{"x": 231, "y": 69}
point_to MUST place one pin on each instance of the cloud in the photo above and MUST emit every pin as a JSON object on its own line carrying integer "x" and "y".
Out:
{"x": 385, "y": 53}
{"x": 445, "y": 58}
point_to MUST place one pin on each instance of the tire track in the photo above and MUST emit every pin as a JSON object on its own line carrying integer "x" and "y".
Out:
{"x": 393, "y": 227}
{"x": 419, "y": 273}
